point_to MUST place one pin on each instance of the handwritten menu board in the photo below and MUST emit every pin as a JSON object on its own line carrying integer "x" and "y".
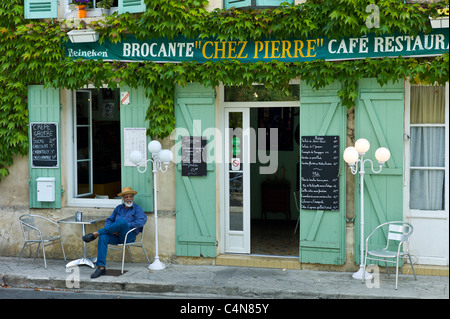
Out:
{"x": 44, "y": 145}
{"x": 193, "y": 156}
{"x": 320, "y": 173}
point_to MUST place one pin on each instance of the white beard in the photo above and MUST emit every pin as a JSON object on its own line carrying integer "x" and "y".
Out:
{"x": 128, "y": 204}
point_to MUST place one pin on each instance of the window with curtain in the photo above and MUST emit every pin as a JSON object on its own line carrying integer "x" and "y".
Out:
{"x": 427, "y": 165}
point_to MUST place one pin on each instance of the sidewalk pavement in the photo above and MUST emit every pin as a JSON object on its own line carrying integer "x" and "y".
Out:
{"x": 219, "y": 281}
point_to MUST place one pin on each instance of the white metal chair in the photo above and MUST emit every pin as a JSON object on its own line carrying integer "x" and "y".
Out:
{"x": 398, "y": 233}
{"x": 36, "y": 230}
{"x": 136, "y": 243}
{"x": 297, "y": 205}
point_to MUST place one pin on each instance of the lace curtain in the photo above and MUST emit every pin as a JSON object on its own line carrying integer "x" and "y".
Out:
{"x": 427, "y": 147}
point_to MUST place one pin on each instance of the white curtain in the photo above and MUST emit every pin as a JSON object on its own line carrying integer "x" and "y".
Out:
{"x": 427, "y": 148}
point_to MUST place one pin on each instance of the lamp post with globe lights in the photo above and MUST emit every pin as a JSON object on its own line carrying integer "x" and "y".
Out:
{"x": 354, "y": 156}
{"x": 159, "y": 158}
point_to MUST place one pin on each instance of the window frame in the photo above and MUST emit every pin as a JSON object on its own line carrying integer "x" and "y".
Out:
{"x": 420, "y": 213}
{"x": 90, "y": 12}
{"x": 69, "y": 174}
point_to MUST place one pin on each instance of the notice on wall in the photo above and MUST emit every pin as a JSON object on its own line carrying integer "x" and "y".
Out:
{"x": 193, "y": 161}
{"x": 134, "y": 139}
{"x": 320, "y": 173}
{"x": 44, "y": 145}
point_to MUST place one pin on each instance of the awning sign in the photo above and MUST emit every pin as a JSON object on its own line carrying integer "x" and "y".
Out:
{"x": 182, "y": 49}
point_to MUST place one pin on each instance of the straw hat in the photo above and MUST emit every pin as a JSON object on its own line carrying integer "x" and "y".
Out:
{"x": 127, "y": 190}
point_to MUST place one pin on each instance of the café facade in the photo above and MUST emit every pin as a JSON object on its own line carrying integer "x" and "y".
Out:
{"x": 257, "y": 177}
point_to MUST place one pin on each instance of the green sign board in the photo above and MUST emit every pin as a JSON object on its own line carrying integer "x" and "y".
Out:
{"x": 201, "y": 50}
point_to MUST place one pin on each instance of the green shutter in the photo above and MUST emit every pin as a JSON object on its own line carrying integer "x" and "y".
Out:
{"x": 131, "y": 6}
{"x": 271, "y": 3}
{"x": 256, "y": 3}
{"x": 237, "y": 3}
{"x": 195, "y": 195}
{"x": 41, "y": 9}
{"x": 322, "y": 233}
{"x": 379, "y": 119}
{"x": 133, "y": 115}
{"x": 44, "y": 106}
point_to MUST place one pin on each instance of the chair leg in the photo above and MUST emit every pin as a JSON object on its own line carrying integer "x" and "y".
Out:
{"x": 37, "y": 250}
{"x": 129, "y": 254}
{"x": 396, "y": 275}
{"x": 43, "y": 253}
{"x": 62, "y": 247}
{"x": 145, "y": 253}
{"x": 21, "y": 253}
{"x": 387, "y": 267}
{"x": 412, "y": 267}
{"x": 123, "y": 256}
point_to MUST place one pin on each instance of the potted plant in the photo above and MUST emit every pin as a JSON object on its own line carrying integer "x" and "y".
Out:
{"x": 81, "y": 7}
{"x": 105, "y": 5}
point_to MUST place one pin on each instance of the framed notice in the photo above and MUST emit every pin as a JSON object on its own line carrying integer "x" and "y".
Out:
{"x": 44, "y": 145}
{"x": 320, "y": 172}
{"x": 134, "y": 139}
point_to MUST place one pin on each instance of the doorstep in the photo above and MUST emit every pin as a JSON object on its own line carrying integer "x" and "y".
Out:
{"x": 258, "y": 261}
{"x": 426, "y": 270}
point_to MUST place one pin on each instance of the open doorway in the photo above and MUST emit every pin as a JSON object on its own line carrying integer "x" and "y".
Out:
{"x": 274, "y": 214}
{"x": 264, "y": 145}
{"x": 97, "y": 144}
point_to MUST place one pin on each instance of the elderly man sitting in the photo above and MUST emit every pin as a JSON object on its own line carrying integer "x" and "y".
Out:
{"x": 125, "y": 217}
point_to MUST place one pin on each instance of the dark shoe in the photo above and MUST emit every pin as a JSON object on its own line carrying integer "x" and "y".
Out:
{"x": 89, "y": 237}
{"x": 98, "y": 272}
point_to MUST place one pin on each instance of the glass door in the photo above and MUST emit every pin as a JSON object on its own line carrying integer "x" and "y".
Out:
{"x": 82, "y": 142}
{"x": 237, "y": 181}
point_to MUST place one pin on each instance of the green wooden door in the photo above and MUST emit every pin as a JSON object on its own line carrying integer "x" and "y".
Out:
{"x": 322, "y": 233}
{"x": 379, "y": 119}
{"x": 132, "y": 116}
{"x": 195, "y": 195}
{"x": 44, "y": 107}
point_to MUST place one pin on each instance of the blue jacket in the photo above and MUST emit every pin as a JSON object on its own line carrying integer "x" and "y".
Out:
{"x": 134, "y": 216}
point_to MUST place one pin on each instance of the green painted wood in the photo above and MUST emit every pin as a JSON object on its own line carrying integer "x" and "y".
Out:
{"x": 322, "y": 233}
{"x": 41, "y": 9}
{"x": 379, "y": 119}
{"x": 131, "y": 6}
{"x": 237, "y": 3}
{"x": 44, "y": 106}
{"x": 195, "y": 195}
{"x": 133, "y": 115}
{"x": 256, "y": 3}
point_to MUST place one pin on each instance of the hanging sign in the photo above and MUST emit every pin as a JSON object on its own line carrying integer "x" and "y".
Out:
{"x": 182, "y": 49}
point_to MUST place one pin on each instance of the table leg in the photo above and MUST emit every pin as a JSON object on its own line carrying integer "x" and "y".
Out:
{"x": 84, "y": 260}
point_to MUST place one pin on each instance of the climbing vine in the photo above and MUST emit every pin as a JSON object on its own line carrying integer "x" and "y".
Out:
{"x": 31, "y": 52}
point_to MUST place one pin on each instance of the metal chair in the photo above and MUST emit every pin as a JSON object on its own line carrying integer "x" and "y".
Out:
{"x": 35, "y": 230}
{"x": 398, "y": 234}
{"x": 126, "y": 245}
{"x": 297, "y": 205}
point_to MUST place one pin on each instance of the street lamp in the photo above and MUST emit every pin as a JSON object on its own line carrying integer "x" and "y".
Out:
{"x": 354, "y": 156}
{"x": 159, "y": 157}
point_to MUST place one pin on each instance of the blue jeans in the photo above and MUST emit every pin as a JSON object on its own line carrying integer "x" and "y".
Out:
{"x": 106, "y": 236}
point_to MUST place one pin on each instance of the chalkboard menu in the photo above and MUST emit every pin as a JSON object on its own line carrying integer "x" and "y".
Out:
{"x": 44, "y": 145}
{"x": 193, "y": 156}
{"x": 320, "y": 173}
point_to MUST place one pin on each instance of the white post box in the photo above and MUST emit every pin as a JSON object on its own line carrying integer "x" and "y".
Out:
{"x": 45, "y": 189}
